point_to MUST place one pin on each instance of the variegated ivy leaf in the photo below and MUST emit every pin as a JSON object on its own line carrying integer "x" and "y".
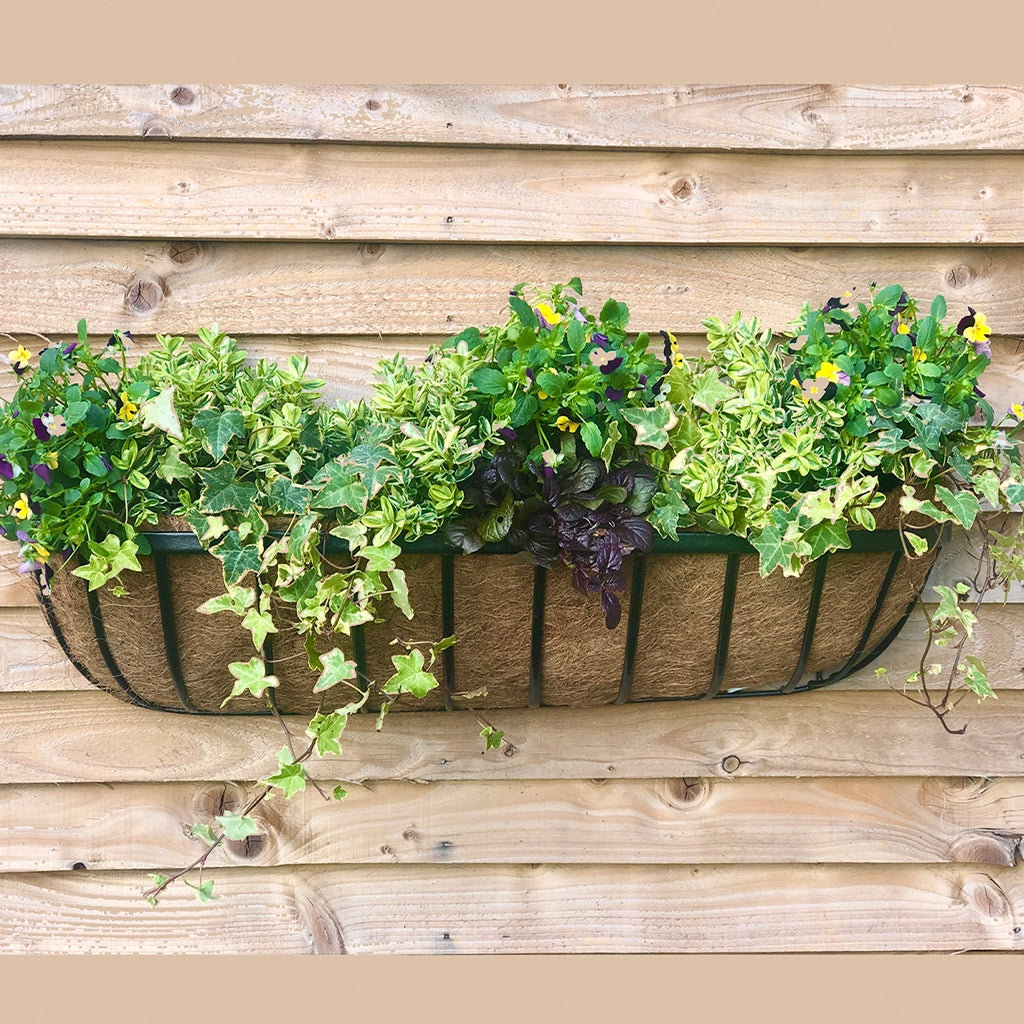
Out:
{"x": 236, "y": 600}
{"x": 977, "y": 678}
{"x": 709, "y": 391}
{"x": 987, "y": 483}
{"x": 159, "y": 412}
{"x": 400, "y": 592}
{"x": 218, "y": 428}
{"x": 652, "y": 425}
{"x": 380, "y": 557}
{"x": 963, "y": 504}
{"x": 335, "y": 668}
{"x": 291, "y": 779}
{"x": 917, "y": 542}
{"x": 326, "y": 729}
{"x": 410, "y": 676}
{"x": 250, "y": 677}
{"x": 259, "y": 624}
{"x": 238, "y": 557}
{"x": 826, "y": 537}
{"x": 222, "y": 490}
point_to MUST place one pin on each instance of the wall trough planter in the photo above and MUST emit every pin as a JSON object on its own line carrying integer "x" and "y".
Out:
{"x": 698, "y": 622}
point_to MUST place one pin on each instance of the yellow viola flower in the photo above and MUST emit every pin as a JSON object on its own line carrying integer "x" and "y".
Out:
{"x": 19, "y": 358}
{"x": 1018, "y": 410}
{"x": 129, "y": 410}
{"x": 919, "y": 355}
{"x": 564, "y": 423}
{"x": 542, "y": 395}
{"x": 548, "y": 315}
{"x": 21, "y": 509}
{"x": 50, "y": 459}
{"x": 831, "y": 372}
{"x": 41, "y": 554}
{"x": 979, "y": 330}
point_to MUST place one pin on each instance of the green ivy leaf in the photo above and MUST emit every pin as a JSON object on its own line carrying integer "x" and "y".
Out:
{"x": 977, "y": 678}
{"x": 335, "y": 668}
{"x": 326, "y": 729}
{"x": 217, "y": 428}
{"x": 237, "y": 826}
{"x": 222, "y": 490}
{"x": 204, "y": 832}
{"x": 287, "y": 497}
{"x": 259, "y": 625}
{"x": 291, "y": 779}
{"x": 826, "y": 536}
{"x": 250, "y": 677}
{"x": 339, "y": 793}
{"x": 409, "y": 676}
{"x": 238, "y": 557}
{"x": 492, "y": 737}
{"x": 652, "y": 425}
{"x": 204, "y": 891}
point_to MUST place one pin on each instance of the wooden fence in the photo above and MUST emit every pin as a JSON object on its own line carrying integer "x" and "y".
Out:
{"x": 350, "y": 222}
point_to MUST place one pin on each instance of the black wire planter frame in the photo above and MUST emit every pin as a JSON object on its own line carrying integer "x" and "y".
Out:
{"x": 163, "y": 544}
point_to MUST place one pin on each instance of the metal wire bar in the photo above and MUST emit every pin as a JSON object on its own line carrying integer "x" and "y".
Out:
{"x": 169, "y": 626}
{"x": 817, "y": 586}
{"x": 448, "y": 626}
{"x": 100, "y": 633}
{"x": 540, "y": 577}
{"x": 636, "y": 600}
{"x": 732, "y": 571}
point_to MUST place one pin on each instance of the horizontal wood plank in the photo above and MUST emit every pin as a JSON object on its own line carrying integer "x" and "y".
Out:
{"x": 300, "y": 289}
{"x": 343, "y": 192}
{"x": 760, "y": 117}
{"x": 92, "y": 737}
{"x": 524, "y": 909}
{"x": 564, "y": 821}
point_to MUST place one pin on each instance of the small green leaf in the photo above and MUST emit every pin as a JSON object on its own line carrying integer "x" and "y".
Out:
{"x": 492, "y": 737}
{"x": 250, "y": 677}
{"x": 236, "y": 600}
{"x": 335, "y": 669}
{"x": 218, "y": 428}
{"x": 524, "y": 311}
{"x": 291, "y": 779}
{"x": 204, "y": 832}
{"x": 237, "y": 826}
{"x": 326, "y": 729}
{"x": 259, "y": 624}
{"x": 591, "y": 434}
{"x": 977, "y": 678}
{"x": 917, "y": 542}
{"x": 339, "y": 793}
{"x": 204, "y": 892}
{"x": 409, "y": 676}
{"x": 489, "y": 381}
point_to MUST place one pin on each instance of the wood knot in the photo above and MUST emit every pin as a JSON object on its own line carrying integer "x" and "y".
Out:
{"x": 248, "y": 848}
{"x": 144, "y": 294}
{"x": 373, "y": 104}
{"x": 183, "y": 96}
{"x": 810, "y": 116}
{"x": 328, "y": 231}
{"x": 958, "y": 276}
{"x": 685, "y": 792}
{"x": 410, "y": 835}
{"x": 985, "y": 895}
{"x": 683, "y": 188}
{"x": 371, "y": 250}
{"x": 730, "y": 764}
{"x": 183, "y": 252}
{"x": 157, "y": 129}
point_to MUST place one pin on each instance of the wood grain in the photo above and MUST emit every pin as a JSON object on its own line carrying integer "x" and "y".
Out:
{"x": 536, "y": 908}
{"x": 376, "y": 289}
{"x": 93, "y": 737}
{"x": 759, "y": 117}
{"x": 257, "y": 190}
{"x": 566, "y": 821}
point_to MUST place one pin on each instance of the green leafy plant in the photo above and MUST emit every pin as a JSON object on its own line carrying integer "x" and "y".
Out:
{"x": 556, "y": 432}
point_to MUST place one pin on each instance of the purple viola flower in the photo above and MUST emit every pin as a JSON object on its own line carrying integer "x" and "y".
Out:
{"x": 599, "y": 339}
{"x": 577, "y": 315}
{"x": 530, "y": 375}
{"x": 834, "y": 303}
{"x": 106, "y": 462}
{"x": 42, "y": 471}
{"x": 6, "y": 468}
{"x": 506, "y": 432}
{"x": 614, "y": 394}
{"x": 40, "y": 428}
{"x": 69, "y": 348}
{"x": 642, "y": 380}
{"x": 26, "y": 567}
{"x": 978, "y": 392}
{"x": 24, "y": 537}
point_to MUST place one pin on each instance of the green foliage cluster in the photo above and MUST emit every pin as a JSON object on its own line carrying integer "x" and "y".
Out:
{"x": 556, "y": 431}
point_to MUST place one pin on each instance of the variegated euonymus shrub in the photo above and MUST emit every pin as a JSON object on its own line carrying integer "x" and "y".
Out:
{"x": 557, "y": 431}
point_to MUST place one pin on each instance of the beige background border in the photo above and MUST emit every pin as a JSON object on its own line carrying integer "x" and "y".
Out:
{"x": 722, "y": 41}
